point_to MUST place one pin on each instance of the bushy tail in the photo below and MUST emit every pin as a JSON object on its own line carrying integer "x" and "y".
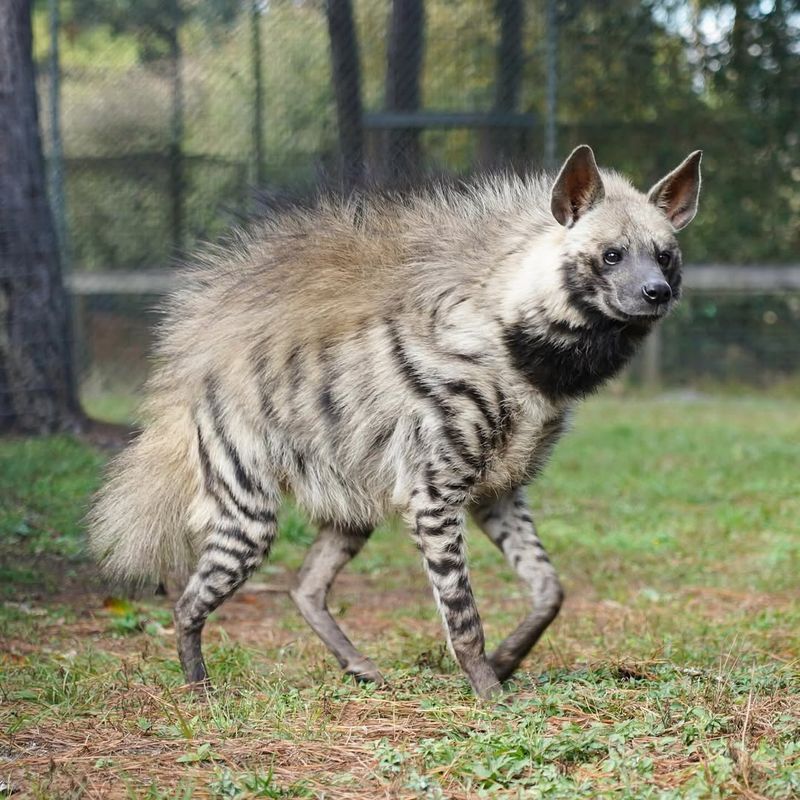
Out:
{"x": 138, "y": 527}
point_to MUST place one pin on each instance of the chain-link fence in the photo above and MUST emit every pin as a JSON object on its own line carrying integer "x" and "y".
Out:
{"x": 169, "y": 115}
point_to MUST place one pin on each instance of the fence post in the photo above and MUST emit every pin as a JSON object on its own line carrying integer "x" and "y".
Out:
{"x": 176, "y": 134}
{"x": 258, "y": 91}
{"x": 551, "y": 55}
{"x": 346, "y": 77}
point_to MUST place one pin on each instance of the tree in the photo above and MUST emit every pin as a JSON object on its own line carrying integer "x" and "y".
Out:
{"x": 346, "y": 75}
{"x": 403, "y": 69}
{"x": 752, "y": 81}
{"x": 37, "y": 390}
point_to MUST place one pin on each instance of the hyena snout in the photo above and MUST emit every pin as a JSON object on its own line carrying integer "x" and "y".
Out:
{"x": 640, "y": 292}
{"x": 656, "y": 292}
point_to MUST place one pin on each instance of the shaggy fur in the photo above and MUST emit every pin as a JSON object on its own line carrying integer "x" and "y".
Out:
{"x": 374, "y": 355}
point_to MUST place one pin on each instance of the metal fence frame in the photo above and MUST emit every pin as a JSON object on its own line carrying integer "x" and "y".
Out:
{"x": 699, "y": 278}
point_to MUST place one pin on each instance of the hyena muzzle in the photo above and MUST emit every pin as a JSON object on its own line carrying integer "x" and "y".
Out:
{"x": 381, "y": 354}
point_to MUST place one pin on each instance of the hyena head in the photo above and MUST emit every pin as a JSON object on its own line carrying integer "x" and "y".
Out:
{"x": 619, "y": 254}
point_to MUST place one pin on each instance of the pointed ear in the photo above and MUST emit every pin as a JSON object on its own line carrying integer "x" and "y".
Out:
{"x": 578, "y": 187}
{"x": 676, "y": 194}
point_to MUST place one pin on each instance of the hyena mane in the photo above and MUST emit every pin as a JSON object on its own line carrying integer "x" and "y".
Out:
{"x": 381, "y": 353}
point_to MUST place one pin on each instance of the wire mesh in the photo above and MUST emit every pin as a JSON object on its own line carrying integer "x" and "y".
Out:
{"x": 170, "y": 123}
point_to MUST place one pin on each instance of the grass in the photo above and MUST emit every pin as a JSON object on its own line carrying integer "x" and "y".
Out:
{"x": 672, "y": 672}
{"x": 45, "y": 484}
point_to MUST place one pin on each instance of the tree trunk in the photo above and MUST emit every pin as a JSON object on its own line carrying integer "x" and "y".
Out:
{"x": 508, "y": 72}
{"x": 346, "y": 74}
{"x": 403, "y": 70}
{"x": 37, "y": 393}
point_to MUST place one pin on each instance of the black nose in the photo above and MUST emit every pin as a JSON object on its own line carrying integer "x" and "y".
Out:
{"x": 657, "y": 292}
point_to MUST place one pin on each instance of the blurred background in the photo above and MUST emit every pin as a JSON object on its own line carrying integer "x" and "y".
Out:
{"x": 164, "y": 122}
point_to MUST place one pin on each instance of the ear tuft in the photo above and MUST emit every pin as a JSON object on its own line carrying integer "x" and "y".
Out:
{"x": 677, "y": 193}
{"x": 577, "y": 188}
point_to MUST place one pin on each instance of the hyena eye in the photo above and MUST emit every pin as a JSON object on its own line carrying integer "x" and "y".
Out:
{"x": 612, "y": 256}
{"x": 664, "y": 259}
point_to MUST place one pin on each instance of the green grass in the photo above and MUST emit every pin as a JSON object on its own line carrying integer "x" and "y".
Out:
{"x": 100, "y": 404}
{"x": 672, "y": 672}
{"x": 45, "y": 486}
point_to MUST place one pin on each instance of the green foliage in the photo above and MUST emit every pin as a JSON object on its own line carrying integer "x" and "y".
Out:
{"x": 128, "y": 618}
{"x": 644, "y": 83}
{"x": 44, "y": 486}
{"x": 202, "y": 753}
{"x": 254, "y": 784}
{"x": 157, "y": 22}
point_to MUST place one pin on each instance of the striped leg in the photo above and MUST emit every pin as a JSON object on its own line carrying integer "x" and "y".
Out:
{"x": 234, "y": 550}
{"x": 242, "y": 531}
{"x": 333, "y": 548}
{"x": 508, "y": 523}
{"x": 438, "y": 525}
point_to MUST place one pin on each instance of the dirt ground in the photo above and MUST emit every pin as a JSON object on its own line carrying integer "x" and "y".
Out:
{"x": 65, "y": 759}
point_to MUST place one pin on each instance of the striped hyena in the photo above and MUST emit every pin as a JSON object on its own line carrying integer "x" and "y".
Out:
{"x": 381, "y": 354}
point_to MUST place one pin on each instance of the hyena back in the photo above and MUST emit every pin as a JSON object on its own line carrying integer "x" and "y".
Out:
{"x": 418, "y": 355}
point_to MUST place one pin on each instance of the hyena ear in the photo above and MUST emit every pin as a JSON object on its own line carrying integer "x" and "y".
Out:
{"x": 677, "y": 193}
{"x": 578, "y": 187}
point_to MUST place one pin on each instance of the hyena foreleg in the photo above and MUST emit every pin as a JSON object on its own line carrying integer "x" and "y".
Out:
{"x": 437, "y": 512}
{"x": 334, "y": 547}
{"x": 508, "y": 523}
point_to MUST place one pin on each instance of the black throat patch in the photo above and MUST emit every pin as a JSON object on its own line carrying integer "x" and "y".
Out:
{"x": 563, "y": 364}
{"x": 563, "y": 360}
{"x": 566, "y": 361}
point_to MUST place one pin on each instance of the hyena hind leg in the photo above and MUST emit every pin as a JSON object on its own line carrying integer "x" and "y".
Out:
{"x": 334, "y": 547}
{"x": 508, "y": 523}
{"x": 235, "y": 548}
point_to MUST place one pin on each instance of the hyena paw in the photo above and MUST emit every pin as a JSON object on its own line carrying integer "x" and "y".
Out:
{"x": 489, "y": 692}
{"x": 201, "y": 689}
{"x": 364, "y": 671}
